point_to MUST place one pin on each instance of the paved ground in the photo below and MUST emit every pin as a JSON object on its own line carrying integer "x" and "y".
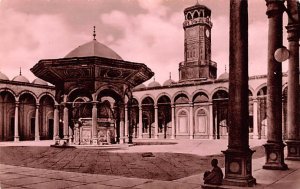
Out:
{"x": 135, "y": 161}
{"x": 26, "y": 177}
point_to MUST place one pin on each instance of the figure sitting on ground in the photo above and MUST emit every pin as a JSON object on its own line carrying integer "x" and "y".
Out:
{"x": 215, "y": 176}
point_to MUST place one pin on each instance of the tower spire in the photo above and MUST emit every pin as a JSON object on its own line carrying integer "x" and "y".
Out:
{"x": 20, "y": 71}
{"x": 170, "y": 76}
{"x": 225, "y": 68}
{"x": 94, "y": 33}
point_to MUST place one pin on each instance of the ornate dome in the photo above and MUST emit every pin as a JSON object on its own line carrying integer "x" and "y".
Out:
{"x": 93, "y": 48}
{"x": 169, "y": 81}
{"x": 3, "y": 76}
{"x": 21, "y": 78}
{"x": 141, "y": 86}
{"x": 154, "y": 84}
{"x": 224, "y": 75}
{"x": 39, "y": 81}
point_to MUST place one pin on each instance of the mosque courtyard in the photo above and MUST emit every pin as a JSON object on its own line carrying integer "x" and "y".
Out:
{"x": 147, "y": 164}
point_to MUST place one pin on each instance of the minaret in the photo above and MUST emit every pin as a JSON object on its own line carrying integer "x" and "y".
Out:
{"x": 197, "y": 64}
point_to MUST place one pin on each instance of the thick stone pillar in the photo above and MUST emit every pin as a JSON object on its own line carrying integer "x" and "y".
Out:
{"x": 156, "y": 122}
{"x": 274, "y": 146}
{"x": 191, "y": 121}
{"x": 56, "y": 123}
{"x": 255, "y": 120}
{"x": 173, "y": 119}
{"x": 126, "y": 123}
{"x": 238, "y": 156}
{"x": 293, "y": 138}
{"x": 94, "y": 124}
{"x": 37, "y": 127}
{"x": 16, "y": 134}
{"x": 211, "y": 121}
{"x": 66, "y": 123}
{"x": 140, "y": 122}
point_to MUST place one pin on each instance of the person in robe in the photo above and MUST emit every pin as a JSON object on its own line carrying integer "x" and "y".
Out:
{"x": 215, "y": 176}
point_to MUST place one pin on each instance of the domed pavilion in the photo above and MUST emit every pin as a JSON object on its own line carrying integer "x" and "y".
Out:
{"x": 93, "y": 90}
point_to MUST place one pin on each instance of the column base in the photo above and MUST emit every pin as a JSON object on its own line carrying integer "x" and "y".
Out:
{"x": 191, "y": 137}
{"x": 274, "y": 156}
{"x": 238, "y": 168}
{"x": 122, "y": 140}
{"x": 37, "y": 138}
{"x": 172, "y": 137}
{"x": 293, "y": 149}
{"x": 17, "y": 139}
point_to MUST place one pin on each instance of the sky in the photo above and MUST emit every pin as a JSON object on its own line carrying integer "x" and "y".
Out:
{"x": 144, "y": 31}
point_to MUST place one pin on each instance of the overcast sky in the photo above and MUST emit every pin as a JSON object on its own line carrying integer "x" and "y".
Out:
{"x": 146, "y": 31}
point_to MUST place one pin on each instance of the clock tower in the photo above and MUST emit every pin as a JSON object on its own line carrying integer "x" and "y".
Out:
{"x": 197, "y": 64}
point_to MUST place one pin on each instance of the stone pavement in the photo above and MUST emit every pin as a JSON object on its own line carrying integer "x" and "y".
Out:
{"x": 26, "y": 177}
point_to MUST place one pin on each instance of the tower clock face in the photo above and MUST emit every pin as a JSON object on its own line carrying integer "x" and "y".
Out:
{"x": 207, "y": 33}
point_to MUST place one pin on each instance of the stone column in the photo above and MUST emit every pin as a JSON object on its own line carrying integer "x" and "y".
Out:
{"x": 293, "y": 138}
{"x": 238, "y": 156}
{"x": 37, "y": 127}
{"x": 211, "y": 121}
{"x": 255, "y": 120}
{"x": 94, "y": 124}
{"x": 140, "y": 122}
{"x": 126, "y": 123}
{"x": 66, "y": 123}
{"x": 122, "y": 125}
{"x": 274, "y": 146}
{"x": 56, "y": 123}
{"x": 191, "y": 121}
{"x": 16, "y": 137}
{"x": 173, "y": 122}
{"x": 155, "y": 122}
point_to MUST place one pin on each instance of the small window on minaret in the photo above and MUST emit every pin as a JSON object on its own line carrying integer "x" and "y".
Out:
{"x": 196, "y": 15}
{"x": 189, "y": 16}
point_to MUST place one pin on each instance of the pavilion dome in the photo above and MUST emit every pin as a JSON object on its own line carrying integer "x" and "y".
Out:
{"x": 93, "y": 48}
{"x": 20, "y": 78}
{"x": 154, "y": 84}
{"x": 3, "y": 76}
{"x": 141, "y": 86}
{"x": 224, "y": 75}
{"x": 39, "y": 81}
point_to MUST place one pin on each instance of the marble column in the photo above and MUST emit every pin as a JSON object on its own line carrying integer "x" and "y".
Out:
{"x": 94, "y": 124}
{"x": 140, "y": 122}
{"x": 66, "y": 123}
{"x": 293, "y": 138}
{"x": 255, "y": 120}
{"x": 126, "y": 123}
{"x": 238, "y": 156}
{"x": 16, "y": 134}
{"x": 122, "y": 125}
{"x": 37, "y": 127}
{"x": 56, "y": 123}
{"x": 156, "y": 122}
{"x": 274, "y": 147}
{"x": 191, "y": 121}
{"x": 211, "y": 121}
{"x": 173, "y": 121}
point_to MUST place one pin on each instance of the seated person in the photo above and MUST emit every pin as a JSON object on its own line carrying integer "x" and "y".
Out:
{"x": 215, "y": 176}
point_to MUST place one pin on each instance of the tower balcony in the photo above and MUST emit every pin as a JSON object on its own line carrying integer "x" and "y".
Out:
{"x": 197, "y": 63}
{"x": 199, "y": 20}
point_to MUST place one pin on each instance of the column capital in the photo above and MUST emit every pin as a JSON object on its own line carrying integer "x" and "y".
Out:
{"x": 275, "y": 7}
{"x": 37, "y": 105}
{"x": 191, "y": 104}
{"x": 17, "y": 103}
{"x": 173, "y": 105}
{"x": 155, "y": 106}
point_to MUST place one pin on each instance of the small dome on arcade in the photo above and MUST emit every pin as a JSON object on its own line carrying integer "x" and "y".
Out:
{"x": 140, "y": 86}
{"x": 154, "y": 84}
{"x": 93, "y": 48}
{"x": 224, "y": 75}
{"x": 169, "y": 82}
{"x": 3, "y": 76}
{"x": 39, "y": 81}
{"x": 20, "y": 78}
